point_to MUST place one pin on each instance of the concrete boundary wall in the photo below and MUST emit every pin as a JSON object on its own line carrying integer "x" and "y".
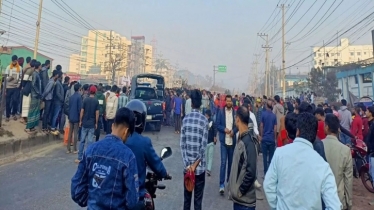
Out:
{"x": 14, "y": 147}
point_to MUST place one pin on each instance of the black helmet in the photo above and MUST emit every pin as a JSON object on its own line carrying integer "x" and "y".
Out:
{"x": 140, "y": 111}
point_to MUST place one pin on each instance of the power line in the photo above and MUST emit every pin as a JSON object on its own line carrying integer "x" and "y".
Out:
{"x": 10, "y": 21}
{"x": 315, "y": 26}
{"x": 297, "y": 21}
{"x": 350, "y": 17}
{"x": 310, "y": 20}
{"x": 367, "y": 17}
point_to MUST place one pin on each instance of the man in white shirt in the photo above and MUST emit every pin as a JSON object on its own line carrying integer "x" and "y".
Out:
{"x": 13, "y": 75}
{"x": 188, "y": 107}
{"x": 285, "y": 189}
{"x": 227, "y": 137}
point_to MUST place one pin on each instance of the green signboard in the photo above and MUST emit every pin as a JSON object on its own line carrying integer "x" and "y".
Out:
{"x": 222, "y": 68}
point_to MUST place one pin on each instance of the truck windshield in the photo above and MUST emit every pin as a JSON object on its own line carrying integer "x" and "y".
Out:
{"x": 145, "y": 93}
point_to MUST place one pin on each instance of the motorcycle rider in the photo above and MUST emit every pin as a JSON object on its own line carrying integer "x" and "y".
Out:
{"x": 142, "y": 147}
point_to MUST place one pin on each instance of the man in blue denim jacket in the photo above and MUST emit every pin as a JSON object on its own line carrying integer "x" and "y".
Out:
{"x": 107, "y": 176}
{"x": 143, "y": 149}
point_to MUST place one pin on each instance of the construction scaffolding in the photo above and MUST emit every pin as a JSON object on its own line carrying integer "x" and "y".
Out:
{"x": 137, "y": 61}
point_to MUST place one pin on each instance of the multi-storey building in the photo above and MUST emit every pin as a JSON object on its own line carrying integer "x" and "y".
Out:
{"x": 340, "y": 55}
{"x": 99, "y": 45}
{"x": 74, "y": 63}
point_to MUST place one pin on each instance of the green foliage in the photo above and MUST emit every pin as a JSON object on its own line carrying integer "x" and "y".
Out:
{"x": 161, "y": 64}
{"x": 298, "y": 86}
{"x": 315, "y": 81}
{"x": 330, "y": 86}
{"x": 325, "y": 85}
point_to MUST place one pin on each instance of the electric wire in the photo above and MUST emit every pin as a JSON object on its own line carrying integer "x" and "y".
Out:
{"x": 310, "y": 20}
{"x": 365, "y": 18}
{"x": 316, "y": 25}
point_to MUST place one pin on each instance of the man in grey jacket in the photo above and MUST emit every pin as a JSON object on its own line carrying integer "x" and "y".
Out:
{"x": 57, "y": 103}
{"x": 243, "y": 170}
{"x": 44, "y": 74}
{"x": 345, "y": 117}
{"x": 47, "y": 98}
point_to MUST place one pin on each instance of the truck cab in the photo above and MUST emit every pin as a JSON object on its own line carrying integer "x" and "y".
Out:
{"x": 152, "y": 97}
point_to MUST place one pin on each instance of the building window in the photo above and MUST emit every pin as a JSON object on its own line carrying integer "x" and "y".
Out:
{"x": 319, "y": 54}
{"x": 315, "y": 54}
{"x": 358, "y": 53}
{"x": 84, "y": 54}
{"x": 315, "y": 62}
{"x": 84, "y": 41}
{"x": 338, "y": 54}
{"x": 366, "y": 78}
{"x": 327, "y": 63}
{"x": 332, "y": 54}
{"x": 352, "y": 54}
{"x": 83, "y": 66}
{"x": 356, "y": 79}
{"x": 364, "y": 53}
{"x": 84, "y": 48}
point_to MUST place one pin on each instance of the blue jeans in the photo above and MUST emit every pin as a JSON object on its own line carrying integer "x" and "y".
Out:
{"x": 226, "y": 155}
{"x": 109, "y": 123}
{"x": 56, "y": 111}
{"x": 344, "y": 139}
{"x": 241, "y": 207}
{"x": 89, "y": 133}
{"x": 97, "y": 132}
{"x": 371, "y": 167}
{"x": 268, "y": 148}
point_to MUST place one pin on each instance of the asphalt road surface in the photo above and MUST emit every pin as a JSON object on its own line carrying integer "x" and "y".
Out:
{"x": 43, "y": 181}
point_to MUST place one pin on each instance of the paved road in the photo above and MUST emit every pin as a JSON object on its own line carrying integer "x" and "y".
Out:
{"x": 44, "y": 182}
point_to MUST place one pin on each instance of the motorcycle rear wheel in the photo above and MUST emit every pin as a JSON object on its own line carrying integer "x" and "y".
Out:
{"x": 367, "y": 181}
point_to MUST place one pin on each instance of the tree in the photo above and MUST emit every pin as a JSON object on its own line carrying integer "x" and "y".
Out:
{"x": 315, "y": 81}
{"x": 116, "y": 63}
{"x": 161, "y": 64}
{"x": 227, "y": 92}
{"x": 330, "y": 87}
{"x": 298, "y": 86}
{"x": 326, "y": 86}
{"x": 209, "y": 80}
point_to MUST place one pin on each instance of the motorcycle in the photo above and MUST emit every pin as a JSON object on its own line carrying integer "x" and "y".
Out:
{"x": 151, "y": 181}
{"x": 361, "y": 166}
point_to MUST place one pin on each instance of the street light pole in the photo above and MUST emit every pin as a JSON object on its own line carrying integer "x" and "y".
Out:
{"x": 214, "y": 76}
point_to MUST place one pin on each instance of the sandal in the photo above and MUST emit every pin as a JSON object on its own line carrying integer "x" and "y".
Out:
{"x": 30, "y": 131}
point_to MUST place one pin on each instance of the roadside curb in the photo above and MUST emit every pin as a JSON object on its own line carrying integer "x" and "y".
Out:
{"x": 13, "y": 148}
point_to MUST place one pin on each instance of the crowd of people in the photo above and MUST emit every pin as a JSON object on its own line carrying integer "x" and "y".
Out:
{"x": 321, "y": 137}
{"x": 292, "y": 134}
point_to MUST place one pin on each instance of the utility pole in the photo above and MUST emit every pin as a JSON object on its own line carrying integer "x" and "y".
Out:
{"x": 110, "y": 57}
{"x": 273, "y": 78}
{"x": 267, "y": 49}
{"x": 37, "y": 28}
{"x": 214, "y": 76}
{"x": 255, "y": 64}
{"x": 282, "y": 6}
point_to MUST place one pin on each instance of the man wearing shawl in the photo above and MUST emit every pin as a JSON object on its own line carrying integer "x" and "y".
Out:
{"x": 13, "y": 73}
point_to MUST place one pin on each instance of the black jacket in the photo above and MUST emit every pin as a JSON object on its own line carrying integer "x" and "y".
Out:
{"x": 244, "y": 171}
{"x": 250, "y": 168}
{"x": 212, "y": 132}
{"x": 58, "y": 94}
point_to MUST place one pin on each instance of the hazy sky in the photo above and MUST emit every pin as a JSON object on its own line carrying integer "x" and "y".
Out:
{"x": 196, "y": 34}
